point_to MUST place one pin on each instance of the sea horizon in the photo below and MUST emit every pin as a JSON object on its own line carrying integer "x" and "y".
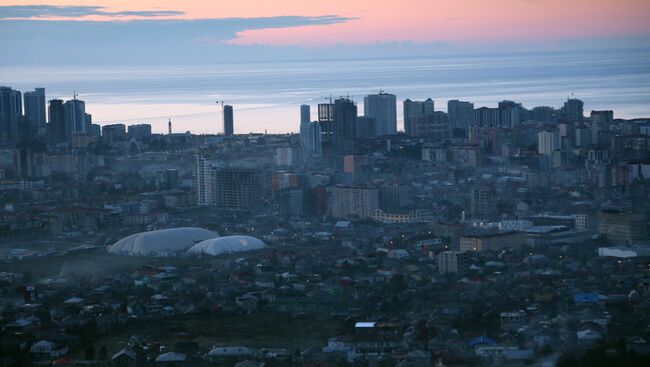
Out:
{"x": 266, "y": 95}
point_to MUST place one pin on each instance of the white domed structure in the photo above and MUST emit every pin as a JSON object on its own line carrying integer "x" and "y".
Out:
{"x": 162, "y": 242}
{"x": 227, "y": 245}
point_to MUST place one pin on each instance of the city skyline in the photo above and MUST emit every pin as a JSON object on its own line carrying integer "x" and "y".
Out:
{"x": 200, "y": 183}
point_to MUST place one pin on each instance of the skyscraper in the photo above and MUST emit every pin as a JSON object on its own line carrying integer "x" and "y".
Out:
{"x": 326, "y": 118}
{"x": 416, "y": 108}
{"x": 74, "y": 112}
{"x": 315, "y": 138}
{"x": 310, "y": 133}
{"x": 205, "y": 182}
{"x": 305, "y": 114}
{"x": 11, "y": 109}
{"x": 461, "y": 113}
{"x": 345, "y": 117}
{"x": 228, "y": 121}
{"x": 304, "y": 126}
{"x": 573, "y": 109}
{"x": 383, "y": 108}
{"x": 35, "y": 108}
{"x": 56, "y": 126}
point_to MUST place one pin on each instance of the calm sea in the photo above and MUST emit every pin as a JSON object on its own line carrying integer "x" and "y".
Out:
{"x": 266, "y": 96}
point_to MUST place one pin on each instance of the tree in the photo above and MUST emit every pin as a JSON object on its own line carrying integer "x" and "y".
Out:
{"x": 89, "y": 353}
{"x": 28, "y": 277}
{"x": 103, "y": 353}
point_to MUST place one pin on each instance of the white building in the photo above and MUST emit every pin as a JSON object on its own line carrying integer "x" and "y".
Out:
{"x": 548, "y": 141}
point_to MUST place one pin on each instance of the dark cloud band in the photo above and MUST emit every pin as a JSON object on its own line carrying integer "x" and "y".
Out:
{"x": 46, "y": 11}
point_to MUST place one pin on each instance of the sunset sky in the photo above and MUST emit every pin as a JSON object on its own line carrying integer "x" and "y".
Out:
{"x": 363, "y": 21}
{"x": 116, "y": 37}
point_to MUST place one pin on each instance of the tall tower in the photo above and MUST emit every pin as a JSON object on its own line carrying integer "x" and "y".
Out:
{"x": 56, "y": 127}
{"x": 414, "y": 108}
{"x": 228, "y": 121}
{"x": 205, "y": 184}
{"x": 11, "y": 108}
{"x": 35, "y": 107}
{"x": 383, "y": 108}
{"x": 169, "y": 127}
{"x": 75, "y": 117}
{"x": 345, "y": 117}
{"x": 304, "y": 126}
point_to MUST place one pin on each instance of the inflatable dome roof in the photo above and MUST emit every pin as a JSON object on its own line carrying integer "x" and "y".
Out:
{"x": 160, "y": 242}
{"x": 227, "y": 245}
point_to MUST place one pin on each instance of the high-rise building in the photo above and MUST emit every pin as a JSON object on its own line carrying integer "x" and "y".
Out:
{"x": 582, "y": 135}
{"x": 305, "y": 114}
{"x": 509, "y": 114}
{"x": 548, "y": 141}
{"x": 326, "y": 118}
{"x": 304, "y": 126}
{"x": 461, "y": 113}
{"x": 483, "y": 203}
{"x": 434, "y": 126}
{"x": 56, "y": 126}
{"x": 573, "y": 109}
{"x": 605, "y": 117}
{"x": 365, "y": 127}
{"x": 416, "y": 108}
{"x": 228, "y": 121}
{"x": 75, "y": 117}
{"x": 345, "y": 118}
{"x": 543, "y": 114}
{"x": 487, "y": 117}
{"x": 383, "y": 108}
{"x": 238, "y": 188}
{"x": 140, "y": 131}
{"x": 357, "y": 201}
{"x": 205, "y": 182}
{"x": 314, "y": 136}
{"x": 35, "y": 108}
{"x": 11, "y": 109}
{"x": 113, "y": 133}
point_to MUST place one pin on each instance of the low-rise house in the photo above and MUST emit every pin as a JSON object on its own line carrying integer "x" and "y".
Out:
{"x": 46, "y": 349}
